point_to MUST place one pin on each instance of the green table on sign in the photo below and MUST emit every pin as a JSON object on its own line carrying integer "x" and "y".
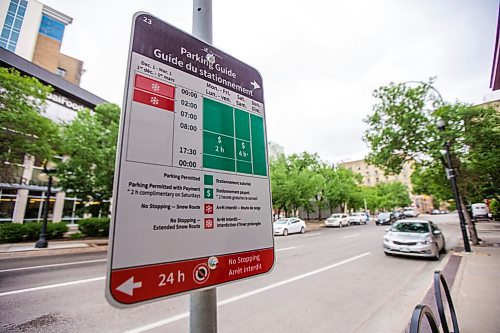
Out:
{"x": 233, "y": 139}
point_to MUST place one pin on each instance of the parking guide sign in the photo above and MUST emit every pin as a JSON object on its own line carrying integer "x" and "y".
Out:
{"x": 192, "y": 204}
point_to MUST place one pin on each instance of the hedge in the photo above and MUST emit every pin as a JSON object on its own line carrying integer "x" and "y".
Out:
{"x": 17, "y": 232}
{"x": 94, "y": 227}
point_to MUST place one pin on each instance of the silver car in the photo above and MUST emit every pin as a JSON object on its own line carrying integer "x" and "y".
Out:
{"x": 414, "y": 238}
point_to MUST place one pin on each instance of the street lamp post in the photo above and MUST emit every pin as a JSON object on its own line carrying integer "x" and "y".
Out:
{"x": 450, "y": 174}
{"x": 42, "y": 241}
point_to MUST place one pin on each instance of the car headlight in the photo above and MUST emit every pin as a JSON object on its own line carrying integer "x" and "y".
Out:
{"x": 426, "y": 240}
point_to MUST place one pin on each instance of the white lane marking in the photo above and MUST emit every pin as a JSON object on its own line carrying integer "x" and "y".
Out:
{"x": 285, "y": 249}
{"x": 315, "y": 234}
{"x": 50, "y": 286}
{"x": 245, "y": 295}
{"x": 52, "y": 265}
{"x": 349, "y": 236}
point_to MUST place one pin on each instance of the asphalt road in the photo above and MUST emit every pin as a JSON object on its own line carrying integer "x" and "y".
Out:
{"x": 327, "y": 280}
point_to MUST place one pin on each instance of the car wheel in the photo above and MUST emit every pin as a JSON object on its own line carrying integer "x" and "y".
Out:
{"x": 340, "y": 224}
{"x": 302, "y": 230}
{"x": 436, "y": 254}
{"x": 285, "y": 232}
{"x": 443, "y": 250}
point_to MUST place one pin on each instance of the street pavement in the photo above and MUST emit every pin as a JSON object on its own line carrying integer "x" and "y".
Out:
{"x": 327, "y": 280}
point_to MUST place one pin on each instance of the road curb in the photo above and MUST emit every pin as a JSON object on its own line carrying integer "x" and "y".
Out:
{"x": 53, "y": 252}
{"x": 451, "y": 269}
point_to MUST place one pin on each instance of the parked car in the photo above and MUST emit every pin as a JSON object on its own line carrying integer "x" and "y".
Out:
{"x": 290, "y": 225}
{"x": 358, "y": 218}
{"x": 415, "y": 238}
{"x": 385, "y": 218}
{"x": 436, "y": 212}
{"x": 399, "y": 215}
{"x": 337, "y": 220}
{"x": 410, "y": 212}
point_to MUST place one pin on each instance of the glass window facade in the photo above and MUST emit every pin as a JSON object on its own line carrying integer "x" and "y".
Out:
{"x": 12, "y": 24}
{"x": 7, "y": 204}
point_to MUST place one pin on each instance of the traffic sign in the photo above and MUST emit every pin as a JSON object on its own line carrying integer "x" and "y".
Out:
{"x": 192, "y": 206}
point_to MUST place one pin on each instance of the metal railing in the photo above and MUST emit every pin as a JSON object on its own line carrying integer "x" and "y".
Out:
{"x": 422, "y": 312}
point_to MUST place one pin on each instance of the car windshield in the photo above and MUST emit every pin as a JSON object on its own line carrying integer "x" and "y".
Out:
{"x": 383, "y": 215}
{"x": 282, "y": 221}
{"x": 416, "y": 227}
{"x": 336, "y": 216}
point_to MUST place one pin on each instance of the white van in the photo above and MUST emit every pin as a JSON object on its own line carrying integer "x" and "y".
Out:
{"x": 480, "y": 211}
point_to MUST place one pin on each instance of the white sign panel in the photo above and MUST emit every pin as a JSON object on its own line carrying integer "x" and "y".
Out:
{"x": 192, "y": 205}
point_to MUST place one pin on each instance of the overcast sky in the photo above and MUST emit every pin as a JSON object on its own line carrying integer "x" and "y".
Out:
{"x": 320, "y": 60}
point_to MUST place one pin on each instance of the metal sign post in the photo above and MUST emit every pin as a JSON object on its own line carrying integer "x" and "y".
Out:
{"x": 192, "y": 203}
{"x": 203, "y": 304}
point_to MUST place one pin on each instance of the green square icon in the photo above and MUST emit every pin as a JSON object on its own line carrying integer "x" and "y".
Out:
{"x": 208, "y": 180}
{"x": 208, "y": 193}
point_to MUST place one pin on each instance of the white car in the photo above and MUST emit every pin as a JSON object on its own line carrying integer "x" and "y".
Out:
{"x": 357, "y": 218}
{"x": 290, "y": 225}
{"x": 337, "y": 220}
{"x": 414, "y": 238}
{"x": 410, "y": 212}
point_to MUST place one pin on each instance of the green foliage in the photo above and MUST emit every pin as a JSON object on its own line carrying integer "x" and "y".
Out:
{"x": 23, "y": 128}
{"x": 403, "y": 128}
{"x": 386, "y": 196}
{"x": 305, "y": 181}
{"x": 94, "y": 227}
{"x": 431, "y": 180}
{"x": 76, "y": 235}
{"x": 16, "y": 232}
{"x": 294, "y": 181}
{"x": 90, "y": 141}
{"x": 400, "y": 124}
{"x": 495, "y": 208}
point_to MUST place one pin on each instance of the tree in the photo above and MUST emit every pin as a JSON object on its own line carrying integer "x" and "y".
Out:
{"x": 23, "y": 128}
{"x": 386, "y": 196}
{"x": 342, "y": 189}
{"x": 431, "y": 180}
{"x": 482, "y": 138}
{"x": 403, "y": 128}
{"x": 392, "y": 195}
{"x": 89, "y": 141}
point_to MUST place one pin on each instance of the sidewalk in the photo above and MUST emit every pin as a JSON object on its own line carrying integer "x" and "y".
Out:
{"x": 476, "y": 291}
{"x": 20, "y": 250}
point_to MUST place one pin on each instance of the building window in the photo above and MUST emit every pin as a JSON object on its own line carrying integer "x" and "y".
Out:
{"x": 7, "y": 203}
{"x": 12, "y": 24}
{"x": 34, "y": 207}
{"x": 72, "y": 210}
{"x": 61, "y": 72}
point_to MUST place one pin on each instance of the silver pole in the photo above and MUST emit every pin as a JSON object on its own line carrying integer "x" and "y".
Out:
{"x": 202, "y": 20}
{"x": 203, "y": 304}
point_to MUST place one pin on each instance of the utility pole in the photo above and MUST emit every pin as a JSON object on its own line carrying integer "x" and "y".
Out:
{"x": 203, "y": 304}
{"x": 42, "y": 242}
{"x": 450, "y": 174}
